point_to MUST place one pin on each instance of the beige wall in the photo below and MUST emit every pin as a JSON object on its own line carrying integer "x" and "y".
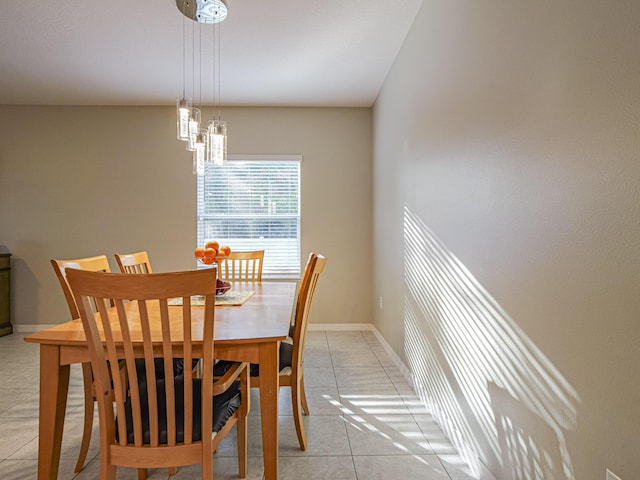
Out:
{"x": 80, "y": 181}
{"x": 507, "y": 229}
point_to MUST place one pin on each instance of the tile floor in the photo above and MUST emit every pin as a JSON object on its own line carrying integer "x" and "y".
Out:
{"x": 365, "y": 423}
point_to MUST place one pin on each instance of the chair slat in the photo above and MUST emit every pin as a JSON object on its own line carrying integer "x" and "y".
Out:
{"x": 167, "y": 352}
{"x": 187, "y": 358}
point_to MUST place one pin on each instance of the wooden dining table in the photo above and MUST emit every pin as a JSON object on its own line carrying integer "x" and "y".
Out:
{"x": 248, "y": 333}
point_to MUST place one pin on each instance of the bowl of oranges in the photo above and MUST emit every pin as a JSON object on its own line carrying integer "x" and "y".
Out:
{"x": 214, "y": 253}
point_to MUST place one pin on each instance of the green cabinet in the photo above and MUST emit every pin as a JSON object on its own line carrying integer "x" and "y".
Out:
{"x": 5, "y": 292}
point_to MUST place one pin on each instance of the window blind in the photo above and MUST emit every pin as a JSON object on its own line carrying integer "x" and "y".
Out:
{"x": 253, "y": 203}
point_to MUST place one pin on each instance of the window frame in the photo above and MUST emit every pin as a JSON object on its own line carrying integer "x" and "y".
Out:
{"x": 294, "y": 273}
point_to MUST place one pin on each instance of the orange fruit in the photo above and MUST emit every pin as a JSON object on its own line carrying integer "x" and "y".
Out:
{"x": 210, "y": 252}
{"x": 225, "y": 249}
{"x": 208, "y": 260}
{"x": 212, "y": 244}
{"x": 199, "y": 252}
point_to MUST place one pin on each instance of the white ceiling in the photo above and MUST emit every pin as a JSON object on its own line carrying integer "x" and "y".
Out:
{"x": 273, "y": 53}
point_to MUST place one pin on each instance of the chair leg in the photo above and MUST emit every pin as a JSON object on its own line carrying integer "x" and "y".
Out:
{"x": 242, "y": 423}
{"x": 207, "y": 464}
{"x": 173, "y": 471}
{"x": 241, "y": 427}
{"x": 296, "y": 400}
{"x": 303, "y": 396}
{"x": 107, "y": 472}
{"x": 142, "y": 474}
{"x": 87, "y": 378}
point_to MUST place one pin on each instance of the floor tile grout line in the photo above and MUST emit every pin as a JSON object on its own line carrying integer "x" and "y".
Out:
{"x": 342, "y": 414}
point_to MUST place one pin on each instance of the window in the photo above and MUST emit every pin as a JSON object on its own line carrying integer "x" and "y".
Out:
{"x": 253, "y": 203}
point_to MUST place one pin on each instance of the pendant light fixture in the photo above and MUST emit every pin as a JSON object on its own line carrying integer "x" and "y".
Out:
{"x": 208, "y": 145}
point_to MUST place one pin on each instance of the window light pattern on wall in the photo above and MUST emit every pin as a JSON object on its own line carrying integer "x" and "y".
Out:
{"x": 495, "y": 394}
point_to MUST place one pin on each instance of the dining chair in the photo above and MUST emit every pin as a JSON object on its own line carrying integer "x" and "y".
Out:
{"x": 158, "y": 422}
{"x": 101, "y": 264}
{"x": 98, "y": 263}
{"x": 134, "y": 262}
{"x": 242, "y": 266}
{"x": 292, "y": 350}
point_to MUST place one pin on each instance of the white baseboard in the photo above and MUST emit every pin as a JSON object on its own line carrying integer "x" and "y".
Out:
{"x": 397, "y": 361}
{"x": 336, "y": 327}
{"x": 30, "y": 328}
{"x": 340, "y": 327}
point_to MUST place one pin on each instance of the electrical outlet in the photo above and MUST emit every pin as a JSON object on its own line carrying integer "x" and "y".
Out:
{"x": 612, "y": 476}
{"x": 380, "y": 302}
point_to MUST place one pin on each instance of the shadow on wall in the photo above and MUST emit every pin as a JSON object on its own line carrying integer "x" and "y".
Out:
{"x": 495, "y": 394}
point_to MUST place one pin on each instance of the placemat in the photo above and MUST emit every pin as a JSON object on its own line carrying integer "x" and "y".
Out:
{"x": 230, "y": 298}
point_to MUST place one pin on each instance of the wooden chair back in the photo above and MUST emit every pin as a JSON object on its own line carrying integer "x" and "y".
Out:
{"x": 134, "y": 262}
{"x": 98, "y": 263}
{"x": 145, "y": 298}
{"x": 242, "y": 266}
{"x": 308, "y": 283}
{"x": 294, "y": 376}
{"x": 292, "y": 351}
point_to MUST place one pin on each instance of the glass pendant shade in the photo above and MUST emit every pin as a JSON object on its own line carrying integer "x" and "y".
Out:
{"x": 183, "y": 109}
{"x": 217, "y": 142}
{"x": 198, "y": 153}
{"x": 194, "y": 128}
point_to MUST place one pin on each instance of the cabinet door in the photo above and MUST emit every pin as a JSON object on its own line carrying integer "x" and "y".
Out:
{"x": 5, "y": 292}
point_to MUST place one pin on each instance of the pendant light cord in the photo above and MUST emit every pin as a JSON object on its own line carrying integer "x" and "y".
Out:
{"x": 193, "y": 60}
{"x": 214, "y": 70}
{"x": 184, "y": 50}
{"x": 218, "y": 60}
{"x": 200, "y": 62}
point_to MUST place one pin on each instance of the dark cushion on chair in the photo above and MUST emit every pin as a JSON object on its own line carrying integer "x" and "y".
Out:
{"x": 178, "y": 368}
{"x": 286, "y": 358}
{"x": 224, "y": 405}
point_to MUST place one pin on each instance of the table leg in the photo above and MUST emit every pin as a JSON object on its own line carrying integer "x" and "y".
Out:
{"x": 269, "y": 360}
{"x": 54, "y": 385}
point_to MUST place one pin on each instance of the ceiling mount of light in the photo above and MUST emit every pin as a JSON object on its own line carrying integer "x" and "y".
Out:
{"x": 203, "y": 11}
